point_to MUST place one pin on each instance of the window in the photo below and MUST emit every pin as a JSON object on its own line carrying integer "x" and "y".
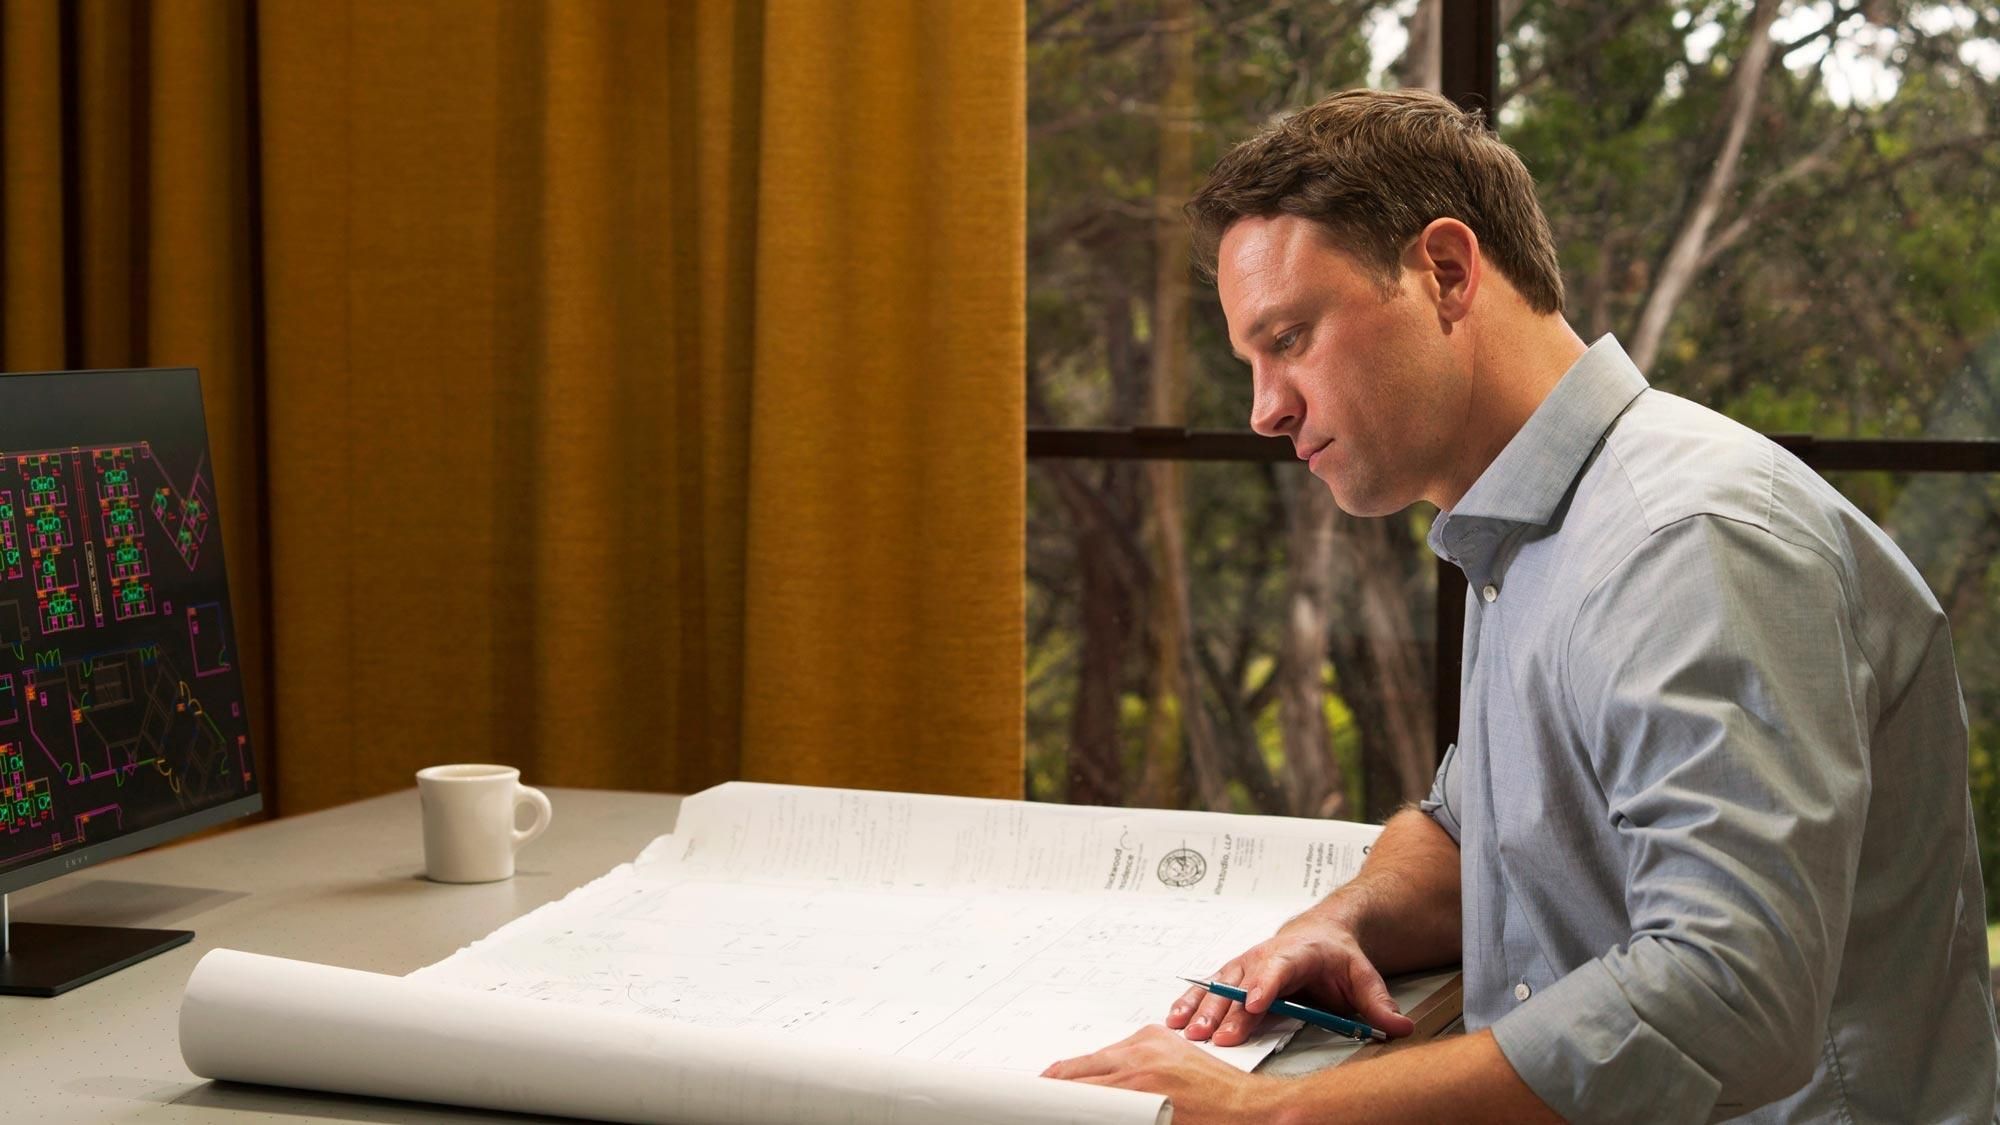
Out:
{"x": 1809, "y": 252}
{"x": 1201, "y": 633}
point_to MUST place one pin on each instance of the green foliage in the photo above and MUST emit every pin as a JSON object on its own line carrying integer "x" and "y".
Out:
{"x": 1346, "y": 738}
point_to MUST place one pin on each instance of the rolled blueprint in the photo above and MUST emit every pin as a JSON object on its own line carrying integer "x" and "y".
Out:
{"x": 268, "y": 1020}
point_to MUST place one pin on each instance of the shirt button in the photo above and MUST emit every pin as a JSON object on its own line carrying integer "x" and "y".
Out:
{"x": 1491, "y": 592}
{"x": 1521, "y": 991}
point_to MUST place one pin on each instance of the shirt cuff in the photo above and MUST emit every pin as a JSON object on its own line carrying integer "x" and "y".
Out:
{"x": 1581, "y": 1047}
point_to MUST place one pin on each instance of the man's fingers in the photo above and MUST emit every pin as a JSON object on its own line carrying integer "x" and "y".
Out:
{"x": 1184, "y": 1008}
{"x": 1270, "y": 982}
{"x": 1263, "y": 984}
{"x": 1372, "y": 1001}
{"x": 1199, "y": 1012}
{"x": 1196, "y": 998}
{"x": 1213, "y": 1011}
{"x": 1240, "y": 1025}
{"x": 1078, "y": 1068}
{"x": 1111, "y": 1078}
{"x": 1111, "y": 1059}
{"x": 1084, "y": 1067}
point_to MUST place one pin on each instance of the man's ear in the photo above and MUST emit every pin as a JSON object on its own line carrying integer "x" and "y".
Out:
{"x": 1448, "y": 265}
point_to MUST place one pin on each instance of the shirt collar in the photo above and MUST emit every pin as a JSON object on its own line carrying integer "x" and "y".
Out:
{"x": 1526, "y": 483}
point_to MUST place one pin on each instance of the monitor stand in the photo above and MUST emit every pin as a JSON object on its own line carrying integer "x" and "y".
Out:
{"x": 47, "y": 959}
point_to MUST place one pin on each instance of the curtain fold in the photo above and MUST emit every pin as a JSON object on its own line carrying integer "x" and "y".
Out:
{"x": 627, "y": 392}
{"x": 886, "y": 420}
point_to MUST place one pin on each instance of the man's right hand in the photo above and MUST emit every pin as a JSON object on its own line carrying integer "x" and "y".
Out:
{"x": 1314, "y": 957}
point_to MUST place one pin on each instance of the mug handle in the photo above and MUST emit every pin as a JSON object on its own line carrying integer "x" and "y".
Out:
{"x": 535, "y": 797}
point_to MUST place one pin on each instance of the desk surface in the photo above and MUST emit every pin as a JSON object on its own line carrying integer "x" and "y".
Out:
{"x": 343, "y": 886}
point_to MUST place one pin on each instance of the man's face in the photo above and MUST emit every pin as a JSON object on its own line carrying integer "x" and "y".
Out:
{"x": 1368, "y": 388}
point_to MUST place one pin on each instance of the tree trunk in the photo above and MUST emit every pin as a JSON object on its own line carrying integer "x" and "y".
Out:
{"x": 1114, "y": 577}
{"x": 1313, "y": 785}
{"x": 1379, "y": 659}
{"x": 1173, "y": 729}
{"x": 1096, "y": 752}
{"x": 1422, "y": 64}
{"x": 1677, "y": 270}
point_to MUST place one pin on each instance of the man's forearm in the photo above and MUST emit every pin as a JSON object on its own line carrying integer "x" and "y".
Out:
{"x": 1404, "y": 905}
{"x": 1464, "y": 1078}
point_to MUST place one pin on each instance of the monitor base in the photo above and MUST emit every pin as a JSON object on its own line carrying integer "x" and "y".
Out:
{"x": 48, "y": 959}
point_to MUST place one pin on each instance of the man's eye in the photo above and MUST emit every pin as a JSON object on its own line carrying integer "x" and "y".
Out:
{"x": 1286, "y": 341}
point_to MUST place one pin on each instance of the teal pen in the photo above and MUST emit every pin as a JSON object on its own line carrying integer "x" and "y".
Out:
{"x": 1339, "y": 1025}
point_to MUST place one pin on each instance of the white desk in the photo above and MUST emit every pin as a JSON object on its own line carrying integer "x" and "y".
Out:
{"x": 343, "y": 886}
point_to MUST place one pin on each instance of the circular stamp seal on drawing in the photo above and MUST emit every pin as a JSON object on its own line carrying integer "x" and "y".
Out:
{"x": 1182, "y": 867}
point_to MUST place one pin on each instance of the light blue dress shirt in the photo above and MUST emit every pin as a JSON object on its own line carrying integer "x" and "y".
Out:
{"x": 1709, "y": 787}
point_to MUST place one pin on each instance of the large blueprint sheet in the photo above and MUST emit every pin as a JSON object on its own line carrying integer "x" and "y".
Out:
{"x": 997, "y": 934}
{"x": 795, "y": 956}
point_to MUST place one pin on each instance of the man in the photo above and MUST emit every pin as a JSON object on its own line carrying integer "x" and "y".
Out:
{"x": 1704, "y": 843}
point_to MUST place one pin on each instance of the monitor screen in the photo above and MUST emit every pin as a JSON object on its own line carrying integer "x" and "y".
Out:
{"x": 122, "y": 718}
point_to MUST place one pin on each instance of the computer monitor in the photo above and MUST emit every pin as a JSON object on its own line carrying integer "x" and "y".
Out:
{"x": 122, "y": 717}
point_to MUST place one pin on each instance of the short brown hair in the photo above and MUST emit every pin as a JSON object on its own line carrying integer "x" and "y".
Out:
{"x": 1374, "y": 167}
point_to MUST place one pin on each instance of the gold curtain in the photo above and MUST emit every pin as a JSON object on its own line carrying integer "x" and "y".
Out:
{"x": 628, "y": 392}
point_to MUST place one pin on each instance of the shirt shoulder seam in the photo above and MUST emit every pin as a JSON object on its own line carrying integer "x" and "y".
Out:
{"x": 1766, "y": 518}
{"x": 1569, "y": 640}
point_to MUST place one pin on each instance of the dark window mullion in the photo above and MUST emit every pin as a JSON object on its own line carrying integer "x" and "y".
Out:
{"x": 1469, "y": 72}
{"x": 1171, "y": 443}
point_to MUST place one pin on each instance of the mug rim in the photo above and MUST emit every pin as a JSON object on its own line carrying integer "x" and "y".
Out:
{"x": 463, "y": 772}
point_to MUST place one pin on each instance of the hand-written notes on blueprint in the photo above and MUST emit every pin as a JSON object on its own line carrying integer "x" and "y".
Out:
{"x": 994, "y": 934}
{"x": 120, "y": 703}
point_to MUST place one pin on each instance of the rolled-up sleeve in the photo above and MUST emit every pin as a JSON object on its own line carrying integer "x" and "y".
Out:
{"x": 1441, "y": 805}
{"x": 1728, "y": 735}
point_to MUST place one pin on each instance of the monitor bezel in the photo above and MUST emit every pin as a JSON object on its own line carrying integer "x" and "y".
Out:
{"x": 91, "y": 855}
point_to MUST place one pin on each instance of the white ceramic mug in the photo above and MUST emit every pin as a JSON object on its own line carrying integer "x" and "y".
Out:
{"x": 469, "y": 833}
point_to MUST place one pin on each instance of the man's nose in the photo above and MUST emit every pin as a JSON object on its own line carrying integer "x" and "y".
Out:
{"x": 1274, "y": 411}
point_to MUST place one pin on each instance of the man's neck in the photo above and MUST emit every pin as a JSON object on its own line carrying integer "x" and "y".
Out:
{"x": 1515, "y": 366}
